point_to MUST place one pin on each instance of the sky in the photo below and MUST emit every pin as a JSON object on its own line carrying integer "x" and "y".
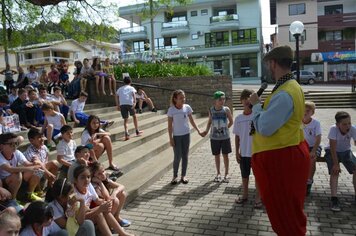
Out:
{"x": 267, "y": 29}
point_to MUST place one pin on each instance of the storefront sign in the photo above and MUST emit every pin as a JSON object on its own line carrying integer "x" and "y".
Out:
{"x": 333, "y": 56}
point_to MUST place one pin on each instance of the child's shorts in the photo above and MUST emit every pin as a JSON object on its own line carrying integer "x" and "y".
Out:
{"x": 245, "y": 167}
{"x": 347, "y": 158}
{"x": 220, "y": 146}
{"x": 126, "y": 110}
{"x": 318, "y": 151}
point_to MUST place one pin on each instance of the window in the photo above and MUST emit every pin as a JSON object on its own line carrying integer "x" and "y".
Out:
{"x": 296, "y": 9}
{"x": 333, "y": 9}
{"x": 217, "y": 39}
{"x": 204, "y": 12}
{"x": 333, "y": 35}
{"x": 165, "y": 43}
{"x": 193, "y": 13}
{"x": 244, "y": 36}
{"x": 292, "y": 38}
{"x": 178, "y": 16}
{"x": 195, "y": 36}
{"x": 139, "y": 46}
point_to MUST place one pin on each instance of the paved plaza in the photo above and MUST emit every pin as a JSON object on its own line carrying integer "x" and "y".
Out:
{"x": 204, "y": 207}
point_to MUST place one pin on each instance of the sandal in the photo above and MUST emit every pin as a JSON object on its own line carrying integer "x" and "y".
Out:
{"x": 217, "y": 179}
{"x": 184, "y": 180}
{"x": 226, "y": 179}
{"x": 174, "y": 181}
{"x": 240, "y": 200}
{"x": 113, "y": 168}
{"x": 258, "y": 205}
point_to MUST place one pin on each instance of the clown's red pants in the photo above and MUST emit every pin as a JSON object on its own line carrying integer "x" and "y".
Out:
{"x": 282, "y": 177}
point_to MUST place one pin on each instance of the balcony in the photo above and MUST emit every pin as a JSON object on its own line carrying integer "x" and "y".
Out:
{"x": 45, "y": 60}
{"x": 175, "y": 28}
{"x": 337, "y": 21}
{"x": 226, "y": 22}
{"x": 133, "y": 33}
{"x": 336, "y": 45}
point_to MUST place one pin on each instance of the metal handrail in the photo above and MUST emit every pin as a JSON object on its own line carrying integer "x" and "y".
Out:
{"x": 170, "y": 89}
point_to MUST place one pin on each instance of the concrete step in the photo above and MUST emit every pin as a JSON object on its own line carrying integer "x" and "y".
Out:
{"x": 116, "y": 130}
{"x": 142, "y": 176}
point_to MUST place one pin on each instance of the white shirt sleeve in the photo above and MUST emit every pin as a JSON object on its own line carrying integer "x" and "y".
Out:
{"x": 21, "y": 159}
{"x": 317, "y": 128}
{"x": 332, "y": 133}
{"x": 189, "y": 109}
{"x": 92, "y": 192}
{"x": 85, "y": 137}
{"x": 235, "y": 129}
{"x": 169, "y": 112}
{"x": 61, "y": 149}
{"x": 74, "y": 106}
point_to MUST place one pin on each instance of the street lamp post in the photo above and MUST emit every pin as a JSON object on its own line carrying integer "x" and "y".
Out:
{"x": 296, "y": 29}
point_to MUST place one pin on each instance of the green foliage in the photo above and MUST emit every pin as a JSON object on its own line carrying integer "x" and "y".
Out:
{"x": 142, "y": 70}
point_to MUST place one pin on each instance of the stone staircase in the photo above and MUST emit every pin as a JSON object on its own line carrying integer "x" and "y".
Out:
{"x": 322, "y": 99}
{"x": 143, "y": 159}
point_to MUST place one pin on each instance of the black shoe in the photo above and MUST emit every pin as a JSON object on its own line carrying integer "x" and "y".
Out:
{"x": 140, "y": 111}
{"x": 116, "y": 174}
{"x": 335, "y": 205}
{"x": 154, "y": 110}
{"x": 309, "y": 186}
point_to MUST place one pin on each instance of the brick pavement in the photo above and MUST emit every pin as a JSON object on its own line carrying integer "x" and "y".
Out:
{"x": 203, "y": 207}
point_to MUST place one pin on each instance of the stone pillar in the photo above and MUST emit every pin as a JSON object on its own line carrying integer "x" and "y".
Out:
{"x": 325, "y": 69}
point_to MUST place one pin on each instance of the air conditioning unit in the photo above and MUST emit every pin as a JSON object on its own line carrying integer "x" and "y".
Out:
{"x": 200, "y": 33}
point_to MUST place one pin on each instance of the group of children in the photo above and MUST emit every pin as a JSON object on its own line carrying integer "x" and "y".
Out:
{"x": 220, "y": 120}
{"x": 78, "y": 195}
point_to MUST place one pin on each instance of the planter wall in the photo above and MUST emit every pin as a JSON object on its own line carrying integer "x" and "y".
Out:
{"x": 199, "y": 91}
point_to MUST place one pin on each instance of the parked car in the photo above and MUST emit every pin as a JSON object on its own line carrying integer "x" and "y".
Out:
{"x": 306, "y": 77}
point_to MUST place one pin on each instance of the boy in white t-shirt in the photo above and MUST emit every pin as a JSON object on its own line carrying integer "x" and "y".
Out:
{"x": 312, "y": 134}
{"x": 77, "y": 112}
{"x": 65, "y": 150}
{"x": 243, "y": 142}
{"x": 13, "y": 163}
{"x": 126, "y": 102}
{"x": 339, "y": 150}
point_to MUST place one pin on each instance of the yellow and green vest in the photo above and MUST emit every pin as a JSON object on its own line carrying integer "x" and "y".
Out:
{"x": 291, "y": 133}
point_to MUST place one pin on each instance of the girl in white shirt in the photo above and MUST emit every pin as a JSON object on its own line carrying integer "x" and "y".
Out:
{"x": 100, "y": 140}
{"x": 98, "y": 210}
{"x": 179, "y": 116}
{"x": 68, "y": 210}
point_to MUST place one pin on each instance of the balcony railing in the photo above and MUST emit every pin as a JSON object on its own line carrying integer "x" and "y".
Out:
{"x": 231, "y": 17}
{"x": 45, "y": 60}
{"x": 175, "y": 24}
{"x": 337, "y": 21}
{"x": 336, "y": 45}
{"x": 135, "y": 29}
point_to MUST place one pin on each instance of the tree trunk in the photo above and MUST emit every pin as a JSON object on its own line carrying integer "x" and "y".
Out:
{"x": 4, "y": 32}
{"x": 152, "y": 32}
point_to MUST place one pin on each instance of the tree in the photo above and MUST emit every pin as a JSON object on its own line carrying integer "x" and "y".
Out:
{"x": 20, "y": 14}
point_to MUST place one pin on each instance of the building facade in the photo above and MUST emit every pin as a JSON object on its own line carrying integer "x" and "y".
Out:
{"x": 224, "y": 35}
{"x": 328, "y": 45}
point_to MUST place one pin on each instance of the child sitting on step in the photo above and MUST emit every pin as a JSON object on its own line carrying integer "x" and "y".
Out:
{"x": 68, "y": 210}
{"x": 38, "y": 152}
{"x": 100, "y": 139}
{"x": 98, "y": 210}
{"x": 108, "y": 189}
{"x": 65, "y": 150}
{"x": 53, "y": 123}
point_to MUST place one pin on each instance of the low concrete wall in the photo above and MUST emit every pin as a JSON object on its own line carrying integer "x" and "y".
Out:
{"x": 199, "y": 84}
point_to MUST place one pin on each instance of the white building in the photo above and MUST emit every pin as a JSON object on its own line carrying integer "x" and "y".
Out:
{"x": 224, "y": 35}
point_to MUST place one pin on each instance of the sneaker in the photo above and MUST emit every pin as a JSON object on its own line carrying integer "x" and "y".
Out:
{"x": 335, "y": 205}
{"x": 139, "y": 111}
{"x": 33, "y": 197}
{"x": 124, "y": 223}
{"x": 108, "y": 124}
{"x": 40, "y": 194}
{"x": 154, "y": 110}
{"x": 138, "y": 132}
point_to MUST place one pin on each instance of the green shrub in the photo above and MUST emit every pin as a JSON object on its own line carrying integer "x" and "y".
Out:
{"x": 164, "y": 69}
